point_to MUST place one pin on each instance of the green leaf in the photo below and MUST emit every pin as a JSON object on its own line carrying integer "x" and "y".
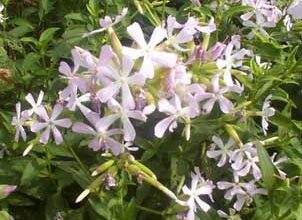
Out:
{"x": 54, "y": 204}
{"x": 30, "y": 172}
{"x": 266, "y": 166}
{"x": 47, "y": 36}
{"x": 235, "y": 10}
{"x": 75, "y": 16}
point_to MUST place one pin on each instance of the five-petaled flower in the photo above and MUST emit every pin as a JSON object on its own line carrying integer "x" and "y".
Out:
{"x": 50, "y": 124}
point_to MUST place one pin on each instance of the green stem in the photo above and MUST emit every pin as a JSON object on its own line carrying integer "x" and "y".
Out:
{"x": 163, "y": 11}
{"x": 149, "y": 210}
{"x": 76, "y": 158}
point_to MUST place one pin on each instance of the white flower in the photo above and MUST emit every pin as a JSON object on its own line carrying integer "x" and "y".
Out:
{"x": 278, "y": 161}
{"x": 35, "y": 105}
{"x": 267, "y": 111}
{"x": 107, "y": 22}
{"x": 124, "y": 115}
{"x": 2, "y": 18}
{"x": 199, "y": 187}
{"x": 233, "y": 59}
{"x": 18, "y": 121}
{"x": 150, "y": 53}
{"x": 174, "y": 109}
{"x": 224, "y": 150}
{"x": 120, "y": 80}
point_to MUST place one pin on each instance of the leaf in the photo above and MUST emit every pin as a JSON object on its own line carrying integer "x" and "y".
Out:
{"x": 266, "y": 166}
{"x": 47, "y": 36}
{"x": 30, "y": 172}
{"x": 75, "y": 16}
{"x": 54, "y": 204}
{"x": 236, "y": 10}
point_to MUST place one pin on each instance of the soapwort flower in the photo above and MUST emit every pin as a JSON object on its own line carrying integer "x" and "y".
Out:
{"x": 35, "y": 105}
{"x": 176, "y": 112}
{"x": 225, "y": 150}
{"x": 102, "y": 134}
{"x": 120, "y": 80}
{"x": 232, "y": 59}
{"x": 243, "y": 192}
{"x": 150, "y": 53}
{"x": 50, "y": 124}
{"x": 199, "y": 187}
{"x": 107, "y": 22}
{"x": 19, "y": 121}
{"x": 217, "y": 95}
{"x": 124, "y": 114}
{"x": 267, "y": 111}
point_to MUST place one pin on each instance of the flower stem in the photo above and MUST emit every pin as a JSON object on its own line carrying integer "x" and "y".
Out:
{"x": 149, "y": 210}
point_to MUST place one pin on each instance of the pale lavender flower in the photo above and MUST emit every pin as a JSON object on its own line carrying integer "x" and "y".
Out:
{"x": 19, "y": 121}
{"x": 224, "y": 150}
{"x": 233, "y": 59}
{"x": 216, "y": 51}
{"x": 217, "y": 94}
{"x": 119, "y": 112}
{"x": 175, "y": 112}
{"x": 239, "y": 155}
{"x": 234, "y": 189}
{"x": 176, "y": 78}
{"x": 74, "y": 82}
{"x": 102, "y": 134}
{"x": 277, "y": 162}
{"x": 50, "y": 124}
{"x": 150, "y": 53}
{"x": 199, "y": 187}
{"x": 250, "y": 163}
{"x": 267, "y": 111}
{"x": 75, "y": 101}
{"x": 121, "y": 80}
{"x": 243, "y": 192}
{"x": 35, "y": 105}
{"x": 295, "y": 9}
{"x": 107, "y": 22}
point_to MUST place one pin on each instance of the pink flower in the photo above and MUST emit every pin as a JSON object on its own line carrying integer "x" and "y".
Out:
{"x": 120, "y": 80}
{"x": 102, "y": 134}
{"x": 50, "y": 124}
{"x": 151, "y": 55}
{"x": 18, "y": 121}
{"x": 176, "y": 112}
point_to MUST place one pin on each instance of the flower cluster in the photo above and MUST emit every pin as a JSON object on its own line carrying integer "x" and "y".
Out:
{"x": 264, "y": 15}
{"x": 126, "y": 84}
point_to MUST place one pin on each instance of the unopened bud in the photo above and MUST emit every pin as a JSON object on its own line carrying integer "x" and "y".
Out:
{"x": 27, "y": 150}
{"x": 82, "y": 196}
